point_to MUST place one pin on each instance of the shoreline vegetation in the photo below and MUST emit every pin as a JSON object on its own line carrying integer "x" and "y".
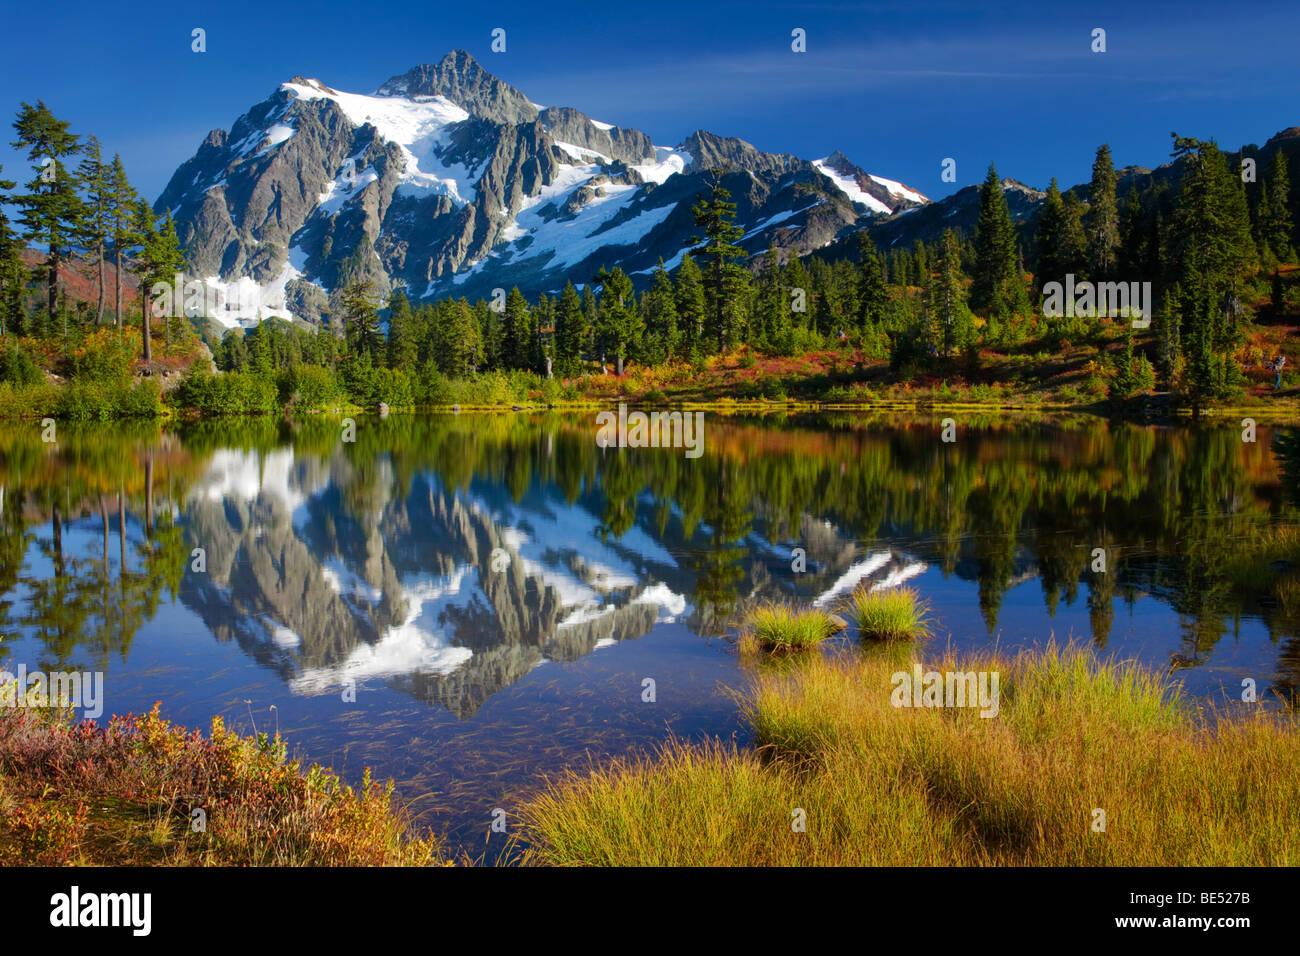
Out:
{"x": 1086, "y": 763}
{"x": 1196, "y": 306}
{"x": 141, "y": 791}
{"x": 236, "y": 395}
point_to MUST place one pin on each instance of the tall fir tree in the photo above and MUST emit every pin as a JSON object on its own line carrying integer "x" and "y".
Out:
{"x": 52, "y": 211}
{"x": 361, "y": 321}
{"x": 570, "y": 331}
{"x": 724, "y": 283}
{"x": 402, "y": 349}
{"x": 13, "y": 274}
{"x": 1073, "y": 249}
{"x": 1276, "y": 225}
{"x": 122, "y": 200}
{"x": 457, "y": 345}
{"x": 159, "y": 260}
{"x": 998, "y": 288}
{"x": 1168, "y": 337}
{"x": 772, "y": 317}
{"x": 1047, "y": 238}
{"x": 873, "y": 294}
{"x": 1103, "y": 218}
{"x": 516, "y": 331}
{"x": 1210, "y": 246}
{"x": 589, "y": 318}
{"x": 659, "y": 310}
{"x": 954, "y": 326}
{"x": 96, "y": 180}
{"x": 690, "y": 307}
{"x": 619, "y": 322}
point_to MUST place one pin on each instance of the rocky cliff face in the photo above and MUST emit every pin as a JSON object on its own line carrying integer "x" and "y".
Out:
{"x": 447, "y": 180}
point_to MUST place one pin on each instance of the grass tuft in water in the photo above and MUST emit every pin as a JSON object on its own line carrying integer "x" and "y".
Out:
{"x": 779, "y": 628}
{"x": 897, "y": 614}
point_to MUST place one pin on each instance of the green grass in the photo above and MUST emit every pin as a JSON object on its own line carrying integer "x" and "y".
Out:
{"x": 779, "y": 628}
{"x": 880, "y": 785}
{"x": 892, "y": 615}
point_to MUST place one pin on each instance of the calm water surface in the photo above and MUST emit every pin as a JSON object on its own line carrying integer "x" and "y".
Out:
{"x": 494, "y": 590}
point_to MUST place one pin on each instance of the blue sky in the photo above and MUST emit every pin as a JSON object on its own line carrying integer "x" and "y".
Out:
{"x": 896, "y": 86}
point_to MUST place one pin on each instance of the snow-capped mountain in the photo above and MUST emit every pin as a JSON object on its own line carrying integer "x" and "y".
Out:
{"x": 448, "y": 181}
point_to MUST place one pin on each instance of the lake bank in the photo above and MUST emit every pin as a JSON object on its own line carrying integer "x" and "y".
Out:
{"x": 1083, "y": 764}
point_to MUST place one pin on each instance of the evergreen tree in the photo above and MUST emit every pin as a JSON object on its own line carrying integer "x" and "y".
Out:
{"x": 457, "y": 346}
{"x": 52, "y": 210}
{"x": 618, "y": 322}
{"x": 1274, "y": 215}
{"x": 1103, "y": 218}
{"x": 166, "y": 260}
{"x": 798, "y": 284}
{"x": 659, "y": 309}
{"x": 1073, "y": 250}
{"x": 773, "y": 308}
{"x": 1210, "y": 245}
{"x": 920, "y": 263}
{"x": 690, "y": 306}
{"x": 403, "y": 350}
{"x": 1168, "y": 337}
{"x": 955, "y": 327}
{"x": 13, "y": 275}
{"x": 144, "y": 230}
{"x": 516, "y": 331}
{"x": 1048, "y": 239}
{"x": 570, "y": 331}
{"x": 543, "y": 333}
{"x": 491, "y": 333}
{"x": 96, "y": 180}
{"x": 361, "y": 321}
{"x": 589, "y": 317}
{"x": 725, "y": 281}
{"x": 122, "y": 200}
{"x": 873, "y": 295}
{"x": 998, "y": 287}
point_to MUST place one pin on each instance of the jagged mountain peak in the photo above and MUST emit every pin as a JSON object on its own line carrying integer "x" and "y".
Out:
{"x": 462, "y": 80}
{"x": 449, "y": 181}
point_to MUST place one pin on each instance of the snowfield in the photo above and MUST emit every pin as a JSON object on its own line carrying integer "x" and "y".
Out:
{"x": 849, "y": 186}
{"x": 416, "y": 125}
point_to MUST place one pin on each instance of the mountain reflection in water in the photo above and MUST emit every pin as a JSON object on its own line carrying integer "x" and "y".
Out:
{"x": 466, "y": 602}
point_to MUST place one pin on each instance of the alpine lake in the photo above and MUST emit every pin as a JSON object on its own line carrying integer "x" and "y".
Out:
{"x": 472, "y": 603}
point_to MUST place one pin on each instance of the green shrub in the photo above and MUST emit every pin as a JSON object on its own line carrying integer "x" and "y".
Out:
{"x": 307, "y": 386}
{"x": 36, "y": 400}
{"x": 101, "y": 359}
{"x": 230, "y": 393}
{"x": 435, "y": 388}
{"x": 16, "y": 366}
{"x": 391, "y": 386}
{"x": 92, "y": 401}
{"x": 551, "y": 391}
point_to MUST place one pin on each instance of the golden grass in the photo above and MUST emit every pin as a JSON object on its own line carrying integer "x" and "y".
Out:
{"x": 897, "y": 614}
{"x": 779, "y": 628}
{"x": 882, "y": 785}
